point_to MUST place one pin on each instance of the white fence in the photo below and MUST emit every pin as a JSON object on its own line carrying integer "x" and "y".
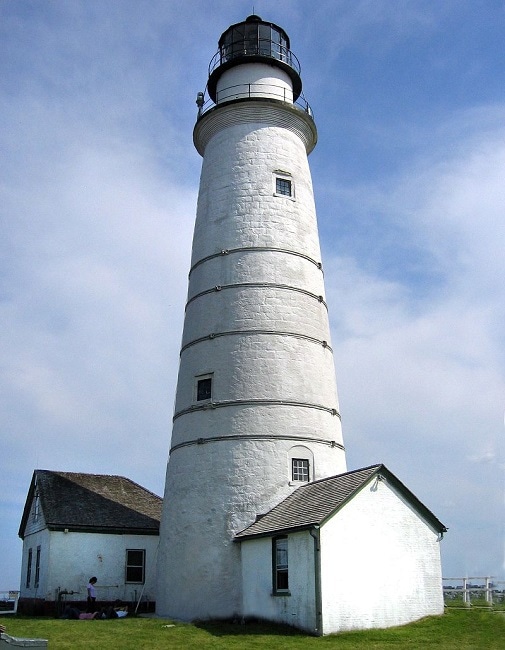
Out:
{"x": 484, "y": 589}
{"x": 478, "y": 589}
{"x": 9, "y": 602}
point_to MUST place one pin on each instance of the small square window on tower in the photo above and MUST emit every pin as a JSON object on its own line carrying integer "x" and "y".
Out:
{"x": 283, "y": 184}
{"x": 203, "y": 388}
{"x": 300, "y": 470}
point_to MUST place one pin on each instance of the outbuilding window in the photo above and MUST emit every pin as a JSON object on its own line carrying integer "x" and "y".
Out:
{"x": 280, "y": 565}
{"x": 135, "y": 565}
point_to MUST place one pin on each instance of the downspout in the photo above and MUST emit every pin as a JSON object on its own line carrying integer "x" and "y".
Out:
{"x": 314, "y": 533}
{"x": 154, "y": 565}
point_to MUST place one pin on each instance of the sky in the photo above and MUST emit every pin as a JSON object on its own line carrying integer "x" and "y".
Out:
{"x": 98, "y": 188}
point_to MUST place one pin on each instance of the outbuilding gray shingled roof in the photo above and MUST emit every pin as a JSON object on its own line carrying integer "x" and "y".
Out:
{"x": 313, "y": 503}
{"x": 93, "y": 503}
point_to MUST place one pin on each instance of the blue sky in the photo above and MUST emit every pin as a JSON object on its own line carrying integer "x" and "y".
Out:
{"x": 98, "y": 195}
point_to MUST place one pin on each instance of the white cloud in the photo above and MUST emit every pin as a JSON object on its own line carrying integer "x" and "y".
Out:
{"x": 422, "y": 377}
{"x": 97, "y": 202}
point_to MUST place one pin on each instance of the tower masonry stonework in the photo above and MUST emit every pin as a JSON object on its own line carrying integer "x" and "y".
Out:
{"x": 256, "y": 411}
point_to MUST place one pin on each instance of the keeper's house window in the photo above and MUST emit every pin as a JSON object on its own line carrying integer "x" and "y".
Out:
{"x": 29, "y": 568}
{"x": 300, "y": 469}
{"x": 36, "y": 507}
{"x": 135, "y": 565}
{"x": 204, "y": 388}
{"x": 37, "y": 568}
{"x": 280, "y": 565}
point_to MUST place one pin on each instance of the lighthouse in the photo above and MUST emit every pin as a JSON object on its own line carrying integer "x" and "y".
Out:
{"x": 261, "y": 519}
{"x": 256, "y": 412}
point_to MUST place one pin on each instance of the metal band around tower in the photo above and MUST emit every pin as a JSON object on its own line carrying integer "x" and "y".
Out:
{"x": 258, "y": 332}
{"x": 203, "y": 441}
{"x": 255, "y": 249}
{"x": 257, "y": 285}
{"x": 253, "y": 402}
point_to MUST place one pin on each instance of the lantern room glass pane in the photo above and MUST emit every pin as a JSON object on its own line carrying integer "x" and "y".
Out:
{"x": 226, "y": 46}
{"x": 251, "y": 39}
{"x": 237, "y": 46}
{"x": 265, "y": 38}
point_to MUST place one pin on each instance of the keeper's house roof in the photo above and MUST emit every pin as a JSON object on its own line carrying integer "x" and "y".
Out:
{"x": 94, "y": 503}
{"x": 313, "y": 503}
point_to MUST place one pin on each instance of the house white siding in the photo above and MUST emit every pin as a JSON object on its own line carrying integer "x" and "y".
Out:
{"x": 35, "y": 520}
{"x": 68, "y": 560}
{"x": 35, "y": 588}
{"x": 297, "y": 608}
{"x": 380, "y": 563}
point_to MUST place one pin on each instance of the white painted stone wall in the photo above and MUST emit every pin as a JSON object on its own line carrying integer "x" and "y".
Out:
{"x": 35, "y": 520}
{"x": 380, "y": 567}
{"x": 257, "y": 321}
{"x": 40, "y": 538}
{"x": 254, "y": 80}
{"x": 296, "y": 609}
{"x": 380, "y": 563}
{"x": 68, "y": 560}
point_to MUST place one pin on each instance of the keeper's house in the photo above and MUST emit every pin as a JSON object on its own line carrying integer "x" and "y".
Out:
{"x": 75, "y": 526}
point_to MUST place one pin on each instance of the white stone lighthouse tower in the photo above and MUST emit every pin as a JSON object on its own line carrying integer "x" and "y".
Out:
{"x": 256, "y": 410}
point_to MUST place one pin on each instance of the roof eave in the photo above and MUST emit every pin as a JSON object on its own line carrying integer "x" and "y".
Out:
{"x": 26, "y": 509}
{"x": 108, "y": 530}
{"x": 277, "y": 531}
{"x": 410, "y": 496}
{"x": 381, "y": 472}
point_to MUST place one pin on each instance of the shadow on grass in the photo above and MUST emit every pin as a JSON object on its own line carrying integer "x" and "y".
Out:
{"x": 253, "y": 627}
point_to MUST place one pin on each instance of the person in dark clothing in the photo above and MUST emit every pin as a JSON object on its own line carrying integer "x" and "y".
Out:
{"x": 92, "y": 594}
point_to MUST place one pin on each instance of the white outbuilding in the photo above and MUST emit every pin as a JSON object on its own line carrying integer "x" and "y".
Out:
{"x": 352, "y": 551}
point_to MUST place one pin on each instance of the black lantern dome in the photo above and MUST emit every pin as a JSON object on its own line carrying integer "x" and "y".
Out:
{"x": 254, "y": 40}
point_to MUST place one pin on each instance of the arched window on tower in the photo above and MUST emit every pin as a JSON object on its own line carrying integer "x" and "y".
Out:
{"x": 300, "y": 465}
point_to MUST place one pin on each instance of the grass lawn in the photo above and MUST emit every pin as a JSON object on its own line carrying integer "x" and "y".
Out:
{"x": 458, "y": 629}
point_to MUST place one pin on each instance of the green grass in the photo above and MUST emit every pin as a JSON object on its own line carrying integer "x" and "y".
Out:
{"x": 475, "y": 602}
{"x": 458, "y": 629}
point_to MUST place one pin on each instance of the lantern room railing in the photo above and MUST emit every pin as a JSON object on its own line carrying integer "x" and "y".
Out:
{"x": 242, "y": 91}
{"x": 254, "y": 48}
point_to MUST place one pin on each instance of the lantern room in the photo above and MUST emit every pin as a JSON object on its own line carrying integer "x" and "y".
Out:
{"x": 254, "y": 41}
